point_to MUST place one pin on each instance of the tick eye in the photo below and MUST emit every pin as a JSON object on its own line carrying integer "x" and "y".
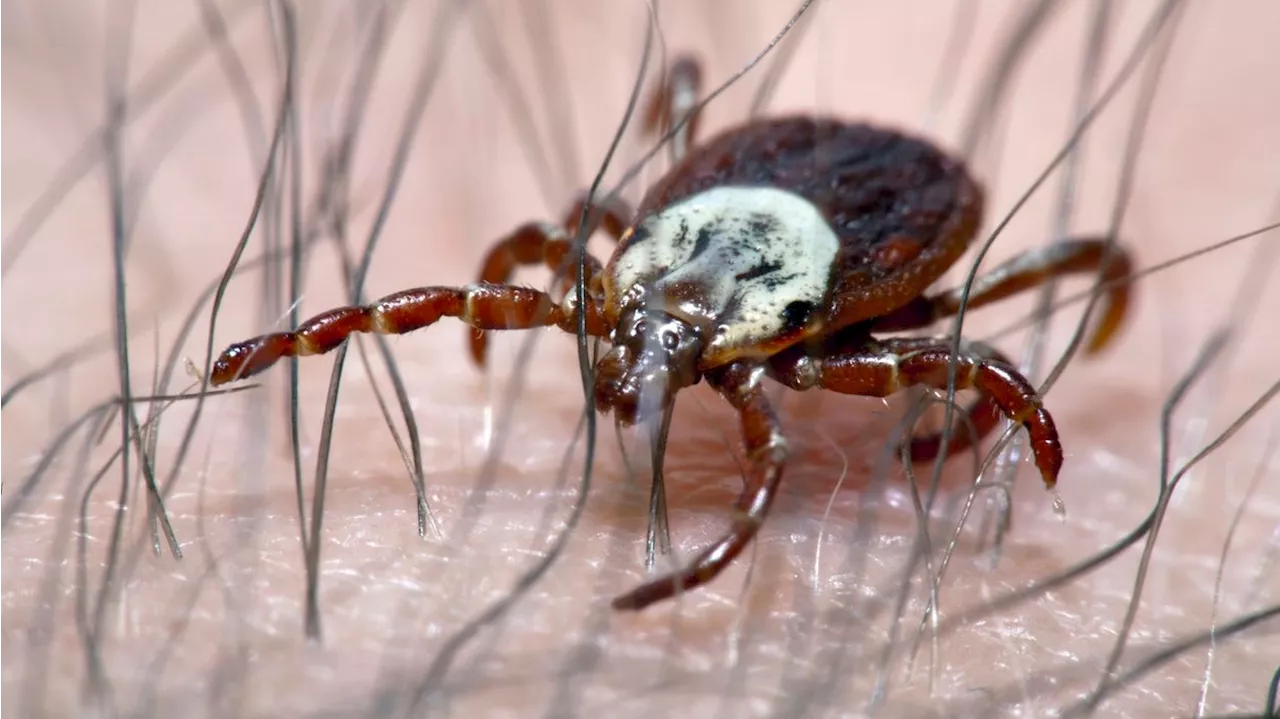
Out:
{"x": 670, "y": 341}
{"x": 641, "y": 328}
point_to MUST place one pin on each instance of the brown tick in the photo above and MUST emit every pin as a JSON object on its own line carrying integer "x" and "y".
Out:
{"x": 778, "y": 249}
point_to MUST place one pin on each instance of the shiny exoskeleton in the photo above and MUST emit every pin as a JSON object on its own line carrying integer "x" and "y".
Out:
{"x": 778, "y": 249}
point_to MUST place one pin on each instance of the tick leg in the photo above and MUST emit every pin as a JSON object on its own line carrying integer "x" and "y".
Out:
{"x": 483, "y": 306}
{"x": 1028, "y": 270}
{"x": 739, "y": 383}
{"x": 981, "y": 416}
{"x": 543, "y": 243}
{"x": 611, "y": 213}
{"x": 882, "y": 368}
{"x": 674, "y": 102}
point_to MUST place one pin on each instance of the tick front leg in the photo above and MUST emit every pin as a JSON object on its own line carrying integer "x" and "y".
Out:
{"x": 739, "y": 383}
{"x": 483, "y": 306}
{"x": 1029, "y": 270}
{"x": 542, "y": 243}
{"x": 882, "y": 368}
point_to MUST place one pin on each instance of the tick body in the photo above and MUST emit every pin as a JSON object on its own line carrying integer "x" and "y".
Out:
{"x": 778, "y": 249}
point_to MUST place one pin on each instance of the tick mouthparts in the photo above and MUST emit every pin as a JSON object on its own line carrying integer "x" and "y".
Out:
{"x": 609, "y": 378}
{"x": 629, "y": 388}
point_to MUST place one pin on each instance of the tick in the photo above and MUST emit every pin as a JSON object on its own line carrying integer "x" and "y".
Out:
{"x": 780, "y": 249}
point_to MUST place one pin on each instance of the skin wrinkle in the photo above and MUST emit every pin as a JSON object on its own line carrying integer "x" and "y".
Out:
{"x": 221, "y": 632}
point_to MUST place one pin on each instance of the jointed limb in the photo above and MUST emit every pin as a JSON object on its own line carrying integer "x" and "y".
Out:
{"x": 483, "y": 306}
{"x": 677, "y": 100}
{"x": 882, "y": 368}
{"x": 1026, "y": 271}
{"x": 980, "y": 417}
{"x": 542, "y": 243}
{"x": 739, "y": 383}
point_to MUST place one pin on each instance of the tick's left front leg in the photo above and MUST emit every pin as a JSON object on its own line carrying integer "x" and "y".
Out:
{"x": 739, "y": 383}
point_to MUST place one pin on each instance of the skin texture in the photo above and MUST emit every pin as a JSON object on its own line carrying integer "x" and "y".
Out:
{"x": 222, "y": 632}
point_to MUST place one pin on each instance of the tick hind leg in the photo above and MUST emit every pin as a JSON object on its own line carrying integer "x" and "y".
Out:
{"x": 766, "y": 454}
{"x": 483, "y": 306}
{"x": 884, "y": 367}
{"x": 1026, "y": 271}
{"x": 542, "y": 243}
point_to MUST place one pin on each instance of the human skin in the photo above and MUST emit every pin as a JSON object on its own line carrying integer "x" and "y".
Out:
{"x": 222, "y": 631}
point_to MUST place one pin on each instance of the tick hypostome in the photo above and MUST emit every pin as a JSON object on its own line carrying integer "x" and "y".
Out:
{"x": 780, "y": 249}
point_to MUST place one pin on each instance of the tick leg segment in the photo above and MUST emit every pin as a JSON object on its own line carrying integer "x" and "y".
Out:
{"x": 676, "y": 100}
{"x": 542, "y": 243}
{"x": 882, "y": 368}
{"x": 484, "y": 306}
{"x": 739, "y": 383}
{"x": 546, "y": 244}
{"x": 611, "y": 213}
{"x": 981, "y": 416}
{"x": 1029, "y": 270}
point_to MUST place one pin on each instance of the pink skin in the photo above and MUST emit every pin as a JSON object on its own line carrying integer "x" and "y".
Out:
{"x": 389, "y": 600}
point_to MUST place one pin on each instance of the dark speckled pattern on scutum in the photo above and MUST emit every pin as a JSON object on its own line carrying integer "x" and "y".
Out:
{"x": 872, "y": 185}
